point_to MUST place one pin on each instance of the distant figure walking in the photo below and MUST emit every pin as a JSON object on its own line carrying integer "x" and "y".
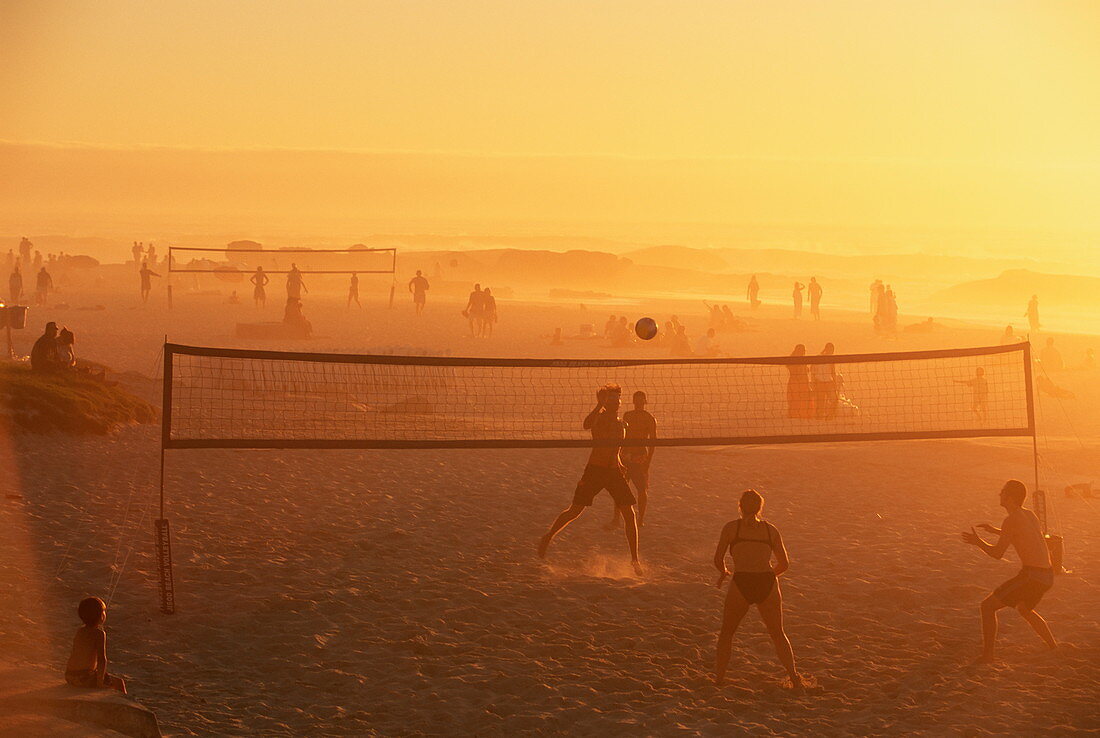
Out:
{"x": 15, "y": 285}
{"x": 136, "y": 251}
{"x": 796, "y": 295}
{"x": 603, "y": 471}
{"x": 1021, "y": 530}
{"x": 419, "y": 286}
{"x": 294, "y": 283}
{"x": 25, "y": 247}
{"x": 800, "y": 399}
{"x": 259, "y": 281}
{"x": 979, "y": 393}
{"x": 826, "y": 392}
{"x": 474, "y": 308}
{"x": 353, "y": 290}
{"x": 640, "y": 424}
{"x": 877, "y": 289}
{"x": 146, "y": 282}
{"x": 488, "y": 312}
{"x": 43, "y": 285}
{"x": 1032, "y": 314}
{"x": 753, "y": 293}
{"x": 752, "y": 542}
{"x": 815, "y": 298}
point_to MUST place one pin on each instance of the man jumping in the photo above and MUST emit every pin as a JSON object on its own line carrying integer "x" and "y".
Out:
{"x": 603, "y": 471}
{"x": 1021, "y": 530}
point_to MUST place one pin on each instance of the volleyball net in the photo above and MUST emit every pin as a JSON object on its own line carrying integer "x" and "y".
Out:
{"x": 232, "y": 398}
{"x": 241, "y": 262}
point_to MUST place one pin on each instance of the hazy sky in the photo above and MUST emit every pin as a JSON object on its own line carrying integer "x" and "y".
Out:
{"x": 994, "y": 90}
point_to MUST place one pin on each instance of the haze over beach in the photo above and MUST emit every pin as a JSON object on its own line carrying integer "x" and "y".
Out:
{"x": 480, "y": 229}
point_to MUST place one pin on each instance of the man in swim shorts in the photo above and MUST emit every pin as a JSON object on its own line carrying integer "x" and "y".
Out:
{"x": 603, "y": 471}
{"x": 640, "y": 423}
{"x": 1022, "y": 530}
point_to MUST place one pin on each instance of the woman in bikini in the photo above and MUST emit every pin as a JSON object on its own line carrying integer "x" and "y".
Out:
{"x": 752, "y": 542}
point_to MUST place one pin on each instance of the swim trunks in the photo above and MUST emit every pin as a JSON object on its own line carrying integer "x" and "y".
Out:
{"x": 1026, "y": 588}
{"x": 637, "y": 466}
{"x": 598, "y": 478}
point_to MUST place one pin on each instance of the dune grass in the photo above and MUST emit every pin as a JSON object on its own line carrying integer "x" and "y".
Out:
{"x": 66, "y": 402}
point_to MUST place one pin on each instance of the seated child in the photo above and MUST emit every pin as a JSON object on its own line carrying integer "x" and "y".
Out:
{"x": 87, "y": 665}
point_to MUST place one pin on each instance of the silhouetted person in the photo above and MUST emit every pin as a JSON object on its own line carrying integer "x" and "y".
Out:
{"x": 752, "y": 542}
{"x": 825, "y": 389}
{"x": 25, "y": 247}
{"x": 877, "y": 289}
{"x": 353, "y": 290}
{"x": 136, "y": 252}
{"x": 814, "y": 291}
{"x": 603, "y": 471}
{"x": 1051, "y": 357}
{"x": 1032, "y": 314}
{"x": 15, "y": 285}
{"x": 707, "y": 345}
{"x": 640, "y": 424}
{"x": 753, "y": 292}
{"x": 146, "y": 281}
{"x": 800, "y": 399}
{"x": 66, "y": 349}
{"x": 294, "y": 283}
{"x": 1009, "y": 336}
{"x": 87, "y": 664}
{"x": 679, "y": 345}
{"x": 979, "y": 392}
{"x": 610, "y": 326}
{"x": 474, "y": 307}
{"x": 43, "y": 285}
{"x": 259, "y": 282}
{"x": 151, "y": 254}
{"x": 796, "y": 295}
{"x": 294, "y": 318}
{"x": 620, "y": 333}
{"x": 488, "y": 312}
{"x": 44, "y": 356}
{"x": 1021, "y": 530}
{"x": 419, "y": 286}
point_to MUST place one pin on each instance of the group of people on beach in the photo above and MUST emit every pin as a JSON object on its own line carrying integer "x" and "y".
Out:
{"x": 813, "y": 390}
{"x": 884, "y": 308}
{"x": 622, "y": 454}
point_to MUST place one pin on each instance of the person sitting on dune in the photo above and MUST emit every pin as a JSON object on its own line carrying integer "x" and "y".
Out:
{"x": 1021, "y": 530}
{"x": 87, "y": 666}
{"x": 44, "y": 355}
{"x": 752, "y": 542}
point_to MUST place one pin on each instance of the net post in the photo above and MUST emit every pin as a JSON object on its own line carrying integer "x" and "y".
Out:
{"x": 1040, "y": 496}
{"x": 162, "y": 534}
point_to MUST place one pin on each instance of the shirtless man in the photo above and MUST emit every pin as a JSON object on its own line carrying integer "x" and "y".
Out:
{"x": 639, "y": 424}
{"x": 1021, "y": 530}
{"x": 980, "y": 391}
{"x": 146, "y": 283}
{"x": 604, "y": 471}
{"x": 418, "y": 286}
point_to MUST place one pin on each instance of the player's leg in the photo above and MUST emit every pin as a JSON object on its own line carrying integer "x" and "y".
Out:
{"x": 564, "y": 518}
{"x": 1038, "y": 624}
{"x": 989, "y": 607}
{"x": 735, "y": 609}
{"x": 771, "y": 611}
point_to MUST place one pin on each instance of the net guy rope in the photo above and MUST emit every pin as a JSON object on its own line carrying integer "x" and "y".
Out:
{"x": 246, "y": 399}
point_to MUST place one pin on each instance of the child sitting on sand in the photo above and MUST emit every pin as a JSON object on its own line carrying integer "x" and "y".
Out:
{"x": 87, "y": 665}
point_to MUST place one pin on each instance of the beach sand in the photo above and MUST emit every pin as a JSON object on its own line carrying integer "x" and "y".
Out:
{"x": 398, "y": 592}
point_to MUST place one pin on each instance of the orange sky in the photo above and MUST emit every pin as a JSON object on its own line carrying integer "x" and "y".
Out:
{"x": 999, "y": 100}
